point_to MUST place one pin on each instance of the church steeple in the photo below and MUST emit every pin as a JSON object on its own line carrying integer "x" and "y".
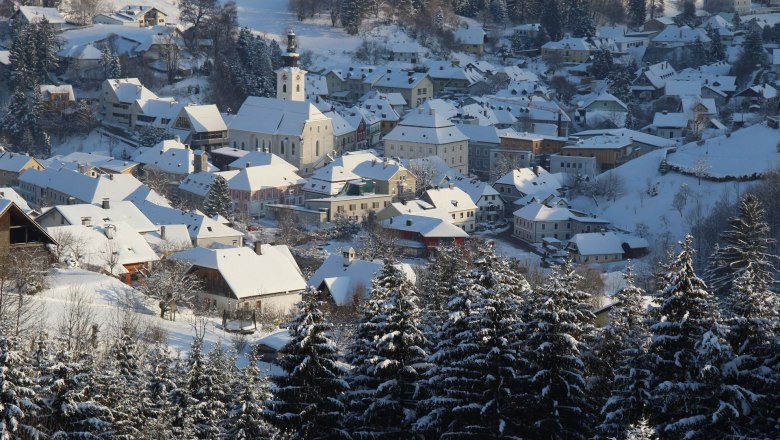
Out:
{"x": 290, "y": 80}
{"x": 291, "y": 57}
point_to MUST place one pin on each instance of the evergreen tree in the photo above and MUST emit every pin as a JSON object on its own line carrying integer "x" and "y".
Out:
{"x": 551, "y": 20}
{"x": 687, "y": 352}
{"x": 17, "y": 407}
{"x": 620, "y": 79}
{"x": 352, "y": 14}
{"x": 628, "y": 335}
{"x": 560, "y": 328}
{"x": 744, "y": 245}
{"x": 603, "y": 64}
{"x": 640, "y": 431}
{"x": 517, "y": 41}
{"x": 715, "y": 50}
{"x": 698, "y": 53}
{"x": 275, "y": 52}
{"x": 736, "y": 21}
{"x": 439, "y": 18}
{"x": 210, "y": 386}
{"x": 159, "y": 381}
{"x": 305, "y": 401}
{"x": 389, "y": 366}
{"x": 17, "y": 118}
{"x": 22, "y": 57}
{"x": 149, "y": 135}
{"x": 109, "y": 61}
{"x": 499, "y": 10}
{"x": 46, "y": 48}
{"x": 181, "y": 398}
{"x": 753, "y": 54}
{"x": 473, "y": 379}
{"x": 218, "y": 200}
{"x": 68, "y": 398}
{"x": 637, "y": 13}
{"x": 245, "y": 419}
{"x": 580, "y": 22}
{"x": 119, "y": 388}
{"x": 440, "y": 284}
{"x": 687, "y": 17}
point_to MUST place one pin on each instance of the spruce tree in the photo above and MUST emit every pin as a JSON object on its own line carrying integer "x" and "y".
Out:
{"x": 698, "y": 53}
{"x": 110, "y": 64}
{"x": 637, "y": 13}
{"x": 17, "y": 117}
{"x": 246, "y": 420}
{"x": 441, "y": 280}
{"x": 210, "y": 386}
{"x": 17, "y": 394}
{"x": 560, "y": 327}
{"x": 627, "y": 333}
{"x": 389, "y": 371}
{"x": 305, "y": 400}
{"x": 218, "y": 200}
{"x": 119, "y": 387}
{"x": 687, "y": 354}
{"x": 551, "y": 20}
{"x": 745, "y": 244}
{"x": 715, "y": 50}
{"x": 603, "y": 64}
{"x": 46, "y": 47}
{"x": 581, "y": 23}
{"x": 159, "y": 382}
{"x": 640, "y": 431}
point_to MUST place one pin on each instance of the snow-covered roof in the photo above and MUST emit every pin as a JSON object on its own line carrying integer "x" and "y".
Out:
{"x": 91, "y": 189}
{"x": 131, "y": 13}
{"x": 659, "y": 73}
{"x": 537, "y": 212}
{"x": 709, "y": 77}
{"x": 169, "y": 156}
{"x": 426, "y": 128}
{"x": 14, "y": 162}
{"x": 199, "y": 226}
{"x": 671, "y": 120}
{"x": 247, "y": 273}
{"x": 117, "y": 211}
{"x": 274, "y": 116}
{"x": 51, "y": 89}
{"x": 597, "y": 243}
{"x": 257, "y": 178}
{"x": 128, "y": 245}
{"x": 34, "y": 14}
{"x": 11, "y": 195}
{"x": 681, "y": 34}
{"x": 450, "y": 199}
{"x": 5, "y": 57}
{"x": 531, "y": 180}
{"x": 776, "y": 57}
{"x": 429, "y": 224}
{"x": 199, "y": 183}
{"x": 470, "y": 35}
{"x": 261, "y": 158}
{"x": 401, "y": 79}
{"x": 568, "y": 43}
{"x": 483, "y": 133}
{"x": 168, "y": 237}
{"x": 475, "y": 188}
{"x": 126, "y": 40}
{"x": 276, "y": 340}
{"x": 345, "y": 277}
{"x": 605, "y": 142}
{"x": 205, "y": 118}
{"x": 636, "y": 136}
{"x": 602, "y": 97}
{"x": 677, "y": 87}
{"x": 129, "y": 90}
{"x": 81, "y": 52}
{"x": 341, "y": 126}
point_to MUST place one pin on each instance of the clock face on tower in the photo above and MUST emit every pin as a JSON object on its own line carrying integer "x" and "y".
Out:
{"x": 298, "y": 77}
{"x": 284, "y": 77}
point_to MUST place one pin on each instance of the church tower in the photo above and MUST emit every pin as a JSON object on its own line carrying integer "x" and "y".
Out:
{"x": 291, "y": 80}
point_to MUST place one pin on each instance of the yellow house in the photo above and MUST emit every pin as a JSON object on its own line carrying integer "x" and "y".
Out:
{"x": 569, "y": 50}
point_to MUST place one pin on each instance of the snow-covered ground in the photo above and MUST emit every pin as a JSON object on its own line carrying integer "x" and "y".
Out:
{"x": 108, "y": 298}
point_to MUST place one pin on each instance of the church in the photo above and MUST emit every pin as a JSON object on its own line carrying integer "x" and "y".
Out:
{"x": 289, "y": 126}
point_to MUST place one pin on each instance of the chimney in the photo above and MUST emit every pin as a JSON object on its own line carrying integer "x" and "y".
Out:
{"x": 349, "y": 256}
{"x": 86, "y": 221}
{"x": 408, "y": 222}
{"x": 560, "y": 124}
{"x": 106, "y": 204}
{"x": 162, "y": 232}
{"x": 259, "y": 247}
{"x": 71, "y": 200}
{"x": 248, "y": 164}
{"x": 110, "y": 231}
{"x": 201, "y": 162}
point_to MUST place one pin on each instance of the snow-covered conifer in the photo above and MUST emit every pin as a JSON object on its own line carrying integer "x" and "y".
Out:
{"x": 218, "y": 200}
{"x": 305, "y": 401}
{"x": 17, "y": 396}
{"x": 245, "y": 419}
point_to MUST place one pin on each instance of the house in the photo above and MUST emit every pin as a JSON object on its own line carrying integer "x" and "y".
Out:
{"x": 82, "y": 62}
{"x": 483, "y": 142}
{"x": 415, "y": 87}
{"x": 343, "y": 278}
{"x": 57, "y": 98}
{"x": 604, "y": 247}
{"x": 534, "y": 222}
{"x": 344, "y": 134}
{"x": 651, "y": 82}
{"x": 293, "y": 130}
{"x": 115, "y": 248}
{"x": 357, "y": 201}
{"x": 526, "y": 181}
{"x": 755, "y": 95}
{"x": 91, "y": 164}
{"x": 577, "y": 167}
{"x": 11, "y": 194}
{"x": 600, "y": 109}
{"x": 679, "y": 36}
{"x": 367, "y": 127}
{"x": 471, "y": 39}
{"x": 61, "y": 186}
{"x": 658, "y": 24}
{"x": 265, "y": 279}
{"x": 449, "y": 77}
{"x": 742, "y": 7}
{"x": 148, "y": 45}
{"x": 116, "y": 97}
{"x": 642, "y": 142}
{"x": 384, "y": 110}
{"x": 201, "y": 127}
{"x": 537, "y": 144}
{"x": 456, "y": 203}
{"x": 670, "y": 125}
{"x": 19, "y": 232}
{"x": 490, "y": 205}
{"x": 346, "y": 84}
{"x": 423, "y": 134}
{"x": 609, "y": 151}
{"x": 406, "y": 52}
{"x": 34, "y": 14}
{"x": 12, "y": 165}
{"x": 172, "y": 160}
{"x": 203, "y": 230}
{"x": 251, "y": 188}
{"x": 568, "y": 50}
{"x": 420, "y": 235}
{"x": 132, "y": 15}
{"x": 224, "y": 156}
{"x": 105, "y": 212}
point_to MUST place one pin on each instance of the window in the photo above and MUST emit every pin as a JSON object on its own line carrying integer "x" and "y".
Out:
{"x": 292, "y": 149}
{"x": 284, "y": 88}
{"x": 317, "y": 149}
{"x": 297, "y": 87}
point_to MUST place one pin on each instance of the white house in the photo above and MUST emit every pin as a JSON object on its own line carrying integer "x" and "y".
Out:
{"x": 490, "y": 205}
{"x": 456, "y": 203}
{"x": 132, "y": 15}
{"x": 266, "y": 279}
{"x": 535, "y": 221}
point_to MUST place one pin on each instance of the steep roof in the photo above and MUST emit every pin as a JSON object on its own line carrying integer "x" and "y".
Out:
{"x": 274, "y": 116}
{"x": 426, "y": 128}
{"x": 199, "y": 226}
{"x": 118, "y": 211}
{"x": 427, "y": 224}
{"x": 470, "y": 35}
{"x": 673, "y": 120}
{"x": 597, "y": 243}
{"x": 34, "y": 14}
{"x": 537, "y": 212}
{"x": 14, "y": 162}
{"x": 58, "y": 89}
{"x": 449, "y": 199}
{"x": 344, "y": 278}
{"x": 205, "y": 118}
{"x": 11, "y": 195}
{"x": 401, "y": 79}
{"x": 475, "y": 188}
{"x": 128, "y": 90}
{"x": 531, "y": 180}
{"x": 247, "y": 273}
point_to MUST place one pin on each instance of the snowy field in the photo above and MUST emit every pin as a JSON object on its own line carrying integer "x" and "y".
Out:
{"x": 109, "y": 299}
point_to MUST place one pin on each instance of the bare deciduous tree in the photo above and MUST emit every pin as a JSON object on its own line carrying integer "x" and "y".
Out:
{"x": 425, "y": 171}
{"x": 171, "y": 284}
{"x": 82, "y": 11}
{"x": 77, "y": 324}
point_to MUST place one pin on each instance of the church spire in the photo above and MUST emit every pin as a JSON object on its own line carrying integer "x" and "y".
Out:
{"x": 291, "y": 57}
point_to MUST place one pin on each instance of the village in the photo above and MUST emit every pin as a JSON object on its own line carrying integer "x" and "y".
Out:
{"x": 126, "y": 164}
